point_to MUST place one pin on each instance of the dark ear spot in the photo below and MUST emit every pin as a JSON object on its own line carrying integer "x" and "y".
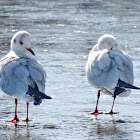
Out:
{"x": 20, "y": 42}
{"x": 14, "y": 40}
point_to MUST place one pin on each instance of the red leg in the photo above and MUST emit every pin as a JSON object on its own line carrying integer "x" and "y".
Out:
{"x": 27, "y": 119}
{"x": 111, "y": 111}
{"x": 15, "y": 118}
{"x": 96, "y": 110}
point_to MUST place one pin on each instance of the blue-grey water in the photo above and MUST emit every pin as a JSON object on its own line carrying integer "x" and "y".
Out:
{"x": 63, "y": 32}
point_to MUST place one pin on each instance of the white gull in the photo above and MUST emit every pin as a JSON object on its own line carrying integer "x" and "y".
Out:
{"x": 21, "y": 75}
{"x": 109, "y": 69}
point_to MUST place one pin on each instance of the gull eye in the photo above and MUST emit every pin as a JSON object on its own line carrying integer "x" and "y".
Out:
{"x": 21, "y": 43}
{"x": 111, "y": 48}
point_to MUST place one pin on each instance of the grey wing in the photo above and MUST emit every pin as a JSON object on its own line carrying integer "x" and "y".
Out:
{"x": 101, "y": 70}
{"x": 13, "y": 80}
{"x": 124, "y": 66}
{"x": 37, "y": 75}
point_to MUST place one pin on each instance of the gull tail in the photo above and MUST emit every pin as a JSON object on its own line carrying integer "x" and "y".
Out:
{"x": 122, "y": 86}
{"x": 38, "y": 96}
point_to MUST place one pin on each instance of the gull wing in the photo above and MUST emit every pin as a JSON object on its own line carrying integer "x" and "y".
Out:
{"x": 37, "y": 74}
{"x": 13, "y": 76}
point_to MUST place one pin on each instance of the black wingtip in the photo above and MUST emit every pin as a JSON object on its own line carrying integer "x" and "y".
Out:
{"x": 123, "y": 84}
{"x": 38, "y": 96}
{"x": 48, "y": 97}
{"x": 118, "y": 91}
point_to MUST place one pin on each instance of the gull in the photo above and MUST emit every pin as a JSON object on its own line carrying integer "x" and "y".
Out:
{"x": 110, "y": 70}
{"x": 21, "y": 75}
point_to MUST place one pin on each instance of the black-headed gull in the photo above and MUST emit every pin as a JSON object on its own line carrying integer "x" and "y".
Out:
{"x": 109, "y": 69}
{"x": 21, "y": 75}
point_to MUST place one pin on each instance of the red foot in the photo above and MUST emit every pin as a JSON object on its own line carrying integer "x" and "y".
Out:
{"x": 96, "y": 112}
{"x": 26, "y": 120}
{"x": 111, "y": 112}
{"x": 14, "y": 120}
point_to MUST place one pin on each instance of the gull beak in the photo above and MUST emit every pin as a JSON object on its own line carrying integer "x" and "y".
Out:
{"x": 31, "y": 51}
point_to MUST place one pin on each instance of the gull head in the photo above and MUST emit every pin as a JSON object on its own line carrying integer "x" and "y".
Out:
{"x": 107, "y": 42}
{"x": 21, "y": 44}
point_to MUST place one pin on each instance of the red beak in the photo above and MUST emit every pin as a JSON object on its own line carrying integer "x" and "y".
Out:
{"x": 31, "y": 51}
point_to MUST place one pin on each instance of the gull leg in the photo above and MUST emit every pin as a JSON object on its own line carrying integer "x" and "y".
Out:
{"x": 15, "y": 118}
{"x": 111, "y": 111}
{"x": 96, "y": 110}
{"x": 27, "y": 119}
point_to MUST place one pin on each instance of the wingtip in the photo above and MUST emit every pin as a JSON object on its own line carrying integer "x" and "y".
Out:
{"x": 118, "y": 91}
{"x": 123, "y": 84}
{"x": 48, "y": 97}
